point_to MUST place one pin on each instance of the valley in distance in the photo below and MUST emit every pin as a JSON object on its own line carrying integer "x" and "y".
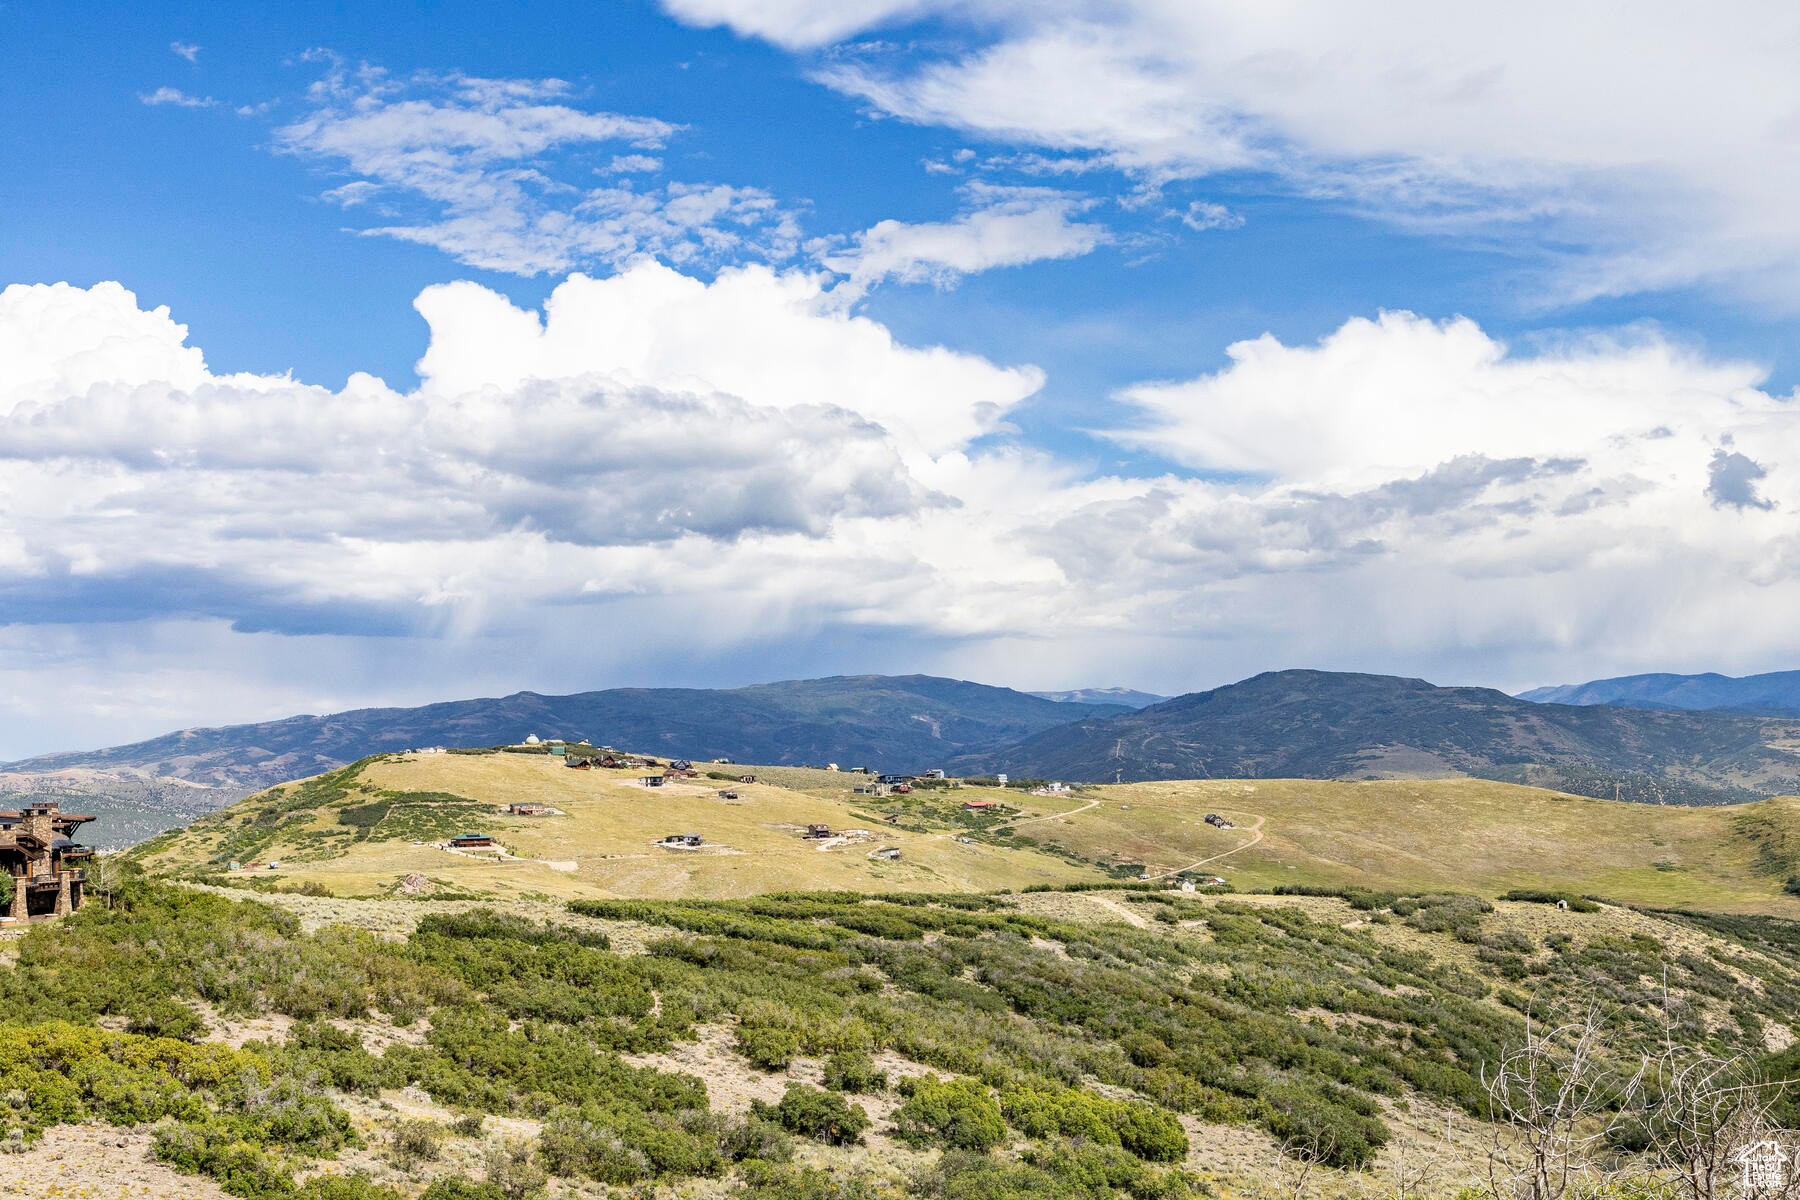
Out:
{"x": 1300, "y": 936}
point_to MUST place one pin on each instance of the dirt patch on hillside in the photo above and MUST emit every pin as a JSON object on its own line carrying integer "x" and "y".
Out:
{"x": 731, "y": 1082}
{"x": 97, "y": 1161}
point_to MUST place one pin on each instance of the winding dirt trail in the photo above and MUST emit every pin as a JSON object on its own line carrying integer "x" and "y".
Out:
{"x": 1130, "y": 917}
{"x": 1045, "y": 817}
{"x": 1255, "y": 837}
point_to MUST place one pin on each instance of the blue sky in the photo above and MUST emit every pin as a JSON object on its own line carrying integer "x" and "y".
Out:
{"x": 1036, "y": 343}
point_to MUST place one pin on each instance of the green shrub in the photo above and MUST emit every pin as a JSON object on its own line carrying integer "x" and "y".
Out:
{"x": 771, "y": 1181}
{"x": 1545, "y": 896}
{"x": 456, "y": 1187}
{"x": 960, "y": 1113}
{"x": 811, "y": 1113}
{"x": 218, "y": 1150}
{"x": 1338, "y": 1135}
{"x": 768, "y": 1047}
{"x": 854, "y": 1071}
{"x": 513, "y": 1170}
{"x": 344, "y": 1187}
{"x": 1141, "y": 1129}
{"x": 159, "y": 1016}
{"x": 413, "y": 1142}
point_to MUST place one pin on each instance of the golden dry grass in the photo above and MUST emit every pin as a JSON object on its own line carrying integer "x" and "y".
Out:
{"x": 1406, "y": 835}
{"x": 609, "y": 828}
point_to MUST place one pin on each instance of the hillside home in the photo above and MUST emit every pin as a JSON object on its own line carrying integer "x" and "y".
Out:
{"x": 818, "y": 831}
{"x": 935, "y": 773}
{"x": 746, "y": 779}
{"x": 887, "y": 853}
{"x": 48, "y": 868}
{"x": 528, "y": 810}
{"x": 682, "y": 839}
{"x": 652, "y": 781}
{"x": 728, "y": 794}
{"x": 467, "y": 841}
{"x": 980, "y": 805}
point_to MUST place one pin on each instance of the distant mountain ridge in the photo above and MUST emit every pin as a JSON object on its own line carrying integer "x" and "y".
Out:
{"x": 1775, "y": 693}
{"x": 1326, "y": 725}
{"x": 885, "y": 722}
{"x": 1129, "y": 697}
{"x": 1288, "y": 724}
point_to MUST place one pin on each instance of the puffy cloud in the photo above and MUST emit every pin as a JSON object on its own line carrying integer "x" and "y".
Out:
{"x": 1008, "y": 227}
{"x": 1624, "y": 134}
{"x": 797, "y": 23}
{"x": 176, "y": 97}
{"x": 776, "y": 339}
{"x": 1400, "y": 393}
{"x": 140, "y": 482}
{"x": 740, "y": 471}
{"x": 1201, "y": 215}
{"x": 485, "y": 170}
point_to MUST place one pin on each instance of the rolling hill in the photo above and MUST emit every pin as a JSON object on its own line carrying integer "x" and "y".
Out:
{"x": 362, "y": 830}
{"x": 1326, "y": 725}
{"x": 1776, "y": 693}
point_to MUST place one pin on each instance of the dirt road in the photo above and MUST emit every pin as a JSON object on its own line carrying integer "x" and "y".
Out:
{"x": 1046, "y": 817}
{"x": 1255, "y": 837}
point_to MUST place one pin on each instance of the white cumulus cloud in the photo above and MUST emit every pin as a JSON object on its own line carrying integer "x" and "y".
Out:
{"x": 488, "y": 171}
{"x": 176, "y": 97}
{"x": 658, "y": 469}
{"x": 1004, "y": 227}
{"x": 1640, "y": 146}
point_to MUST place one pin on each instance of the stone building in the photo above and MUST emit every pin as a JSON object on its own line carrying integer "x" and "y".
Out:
{"x": 48, "y": 869}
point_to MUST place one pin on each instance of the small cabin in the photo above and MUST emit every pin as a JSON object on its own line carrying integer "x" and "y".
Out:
{"x": 682, "y": 839}
{"x": 746, "y": 779}
{"x": 728, "y": 794}
{"x": 887, "y": 853}
{"x": 652, "y": 781}
{"x": 980, "y": 805}
{"x": 818, "y": 831}
{"x": 467, "y": 841}
{"x": 528, "y": 810}
{"x": 935, "y": 773}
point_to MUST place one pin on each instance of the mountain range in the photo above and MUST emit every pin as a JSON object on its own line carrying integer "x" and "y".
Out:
{"x": 1775, "y": 694}
{"x": 1288, "y": 724}
{"x": 1334, "y": 725}
{"x": 886, "y": 722}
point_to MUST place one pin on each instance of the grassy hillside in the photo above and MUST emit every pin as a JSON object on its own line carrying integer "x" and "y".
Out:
{"x": 1453, "y": 835}
{"x": 352, "y": 833}
{"x": 1324, "y": 725}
